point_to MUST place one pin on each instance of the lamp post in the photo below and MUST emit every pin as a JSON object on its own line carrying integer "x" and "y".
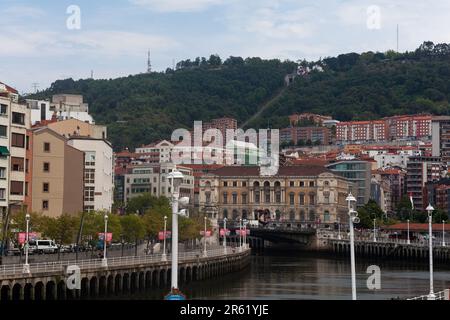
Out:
{"x": 105, "y": 260}
{"x": 374, "y": 230}
{"x": 352, "y": 218}
{"x": 176, "y": 180}
{"x": 339, "y": 228}
{"x": 164, "y": 256}
{"x": 204, "y": 239}
{"x": 26, "y": 266}
{"x": 443, "y": 233}
{"x": 408, "y": 241}
{"x": 430, "y": 210}
{"x": 240, "y": 234}
{"x": 224, "y": 235}
{"x": 245, "y": 233}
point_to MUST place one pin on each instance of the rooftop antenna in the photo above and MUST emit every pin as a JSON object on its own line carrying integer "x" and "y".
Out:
{"x": 149, "y": 63}
{"x": 92, "y": 74}
{"x": 397, "y": 37}
{"x": 35, "y": 86}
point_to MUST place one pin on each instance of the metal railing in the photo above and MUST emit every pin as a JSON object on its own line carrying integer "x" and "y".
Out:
{"x": 441, "y": 295}
{"x": 60, "y": 266}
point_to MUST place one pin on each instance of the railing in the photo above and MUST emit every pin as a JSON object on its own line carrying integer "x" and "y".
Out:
{"x": 51, "y": 267}
{"x": 441, "y": 295}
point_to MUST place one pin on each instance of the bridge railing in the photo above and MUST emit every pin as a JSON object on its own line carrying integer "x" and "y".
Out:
{"x": 59, "y": 266}
{"x": 441, "y": 295}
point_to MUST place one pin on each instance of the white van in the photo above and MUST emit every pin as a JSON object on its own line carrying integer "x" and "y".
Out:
{"x": 43, "y": 246}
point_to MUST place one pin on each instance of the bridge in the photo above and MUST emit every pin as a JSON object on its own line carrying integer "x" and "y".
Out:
{"x": 48, "y": 281}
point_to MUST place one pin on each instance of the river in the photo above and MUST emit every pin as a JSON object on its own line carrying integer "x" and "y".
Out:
{"x": 304, "y": 276}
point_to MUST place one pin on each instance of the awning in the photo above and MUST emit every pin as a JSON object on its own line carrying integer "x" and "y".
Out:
{"x": 4, "y": 152}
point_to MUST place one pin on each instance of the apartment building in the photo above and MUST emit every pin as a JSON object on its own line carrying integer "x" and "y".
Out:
{"x": 74, "y": 127}
{"x": 70, "y": 106}
{"x": 409, "y": 126}
{"x": 421, "y": 170}
{"x": 307, "y": 193}
{"x": 305, "y": 134}
{"x": 441, "y": 138}
{"x": 158, "y": 152}
{"x": 311, "y": 117}
{"x": 361, "y": 131}
{"x": 98, "y": 171}
{"x": 56, "y": 174}
{"x": 39, "y": 111}
{"x": 153, "y": 179}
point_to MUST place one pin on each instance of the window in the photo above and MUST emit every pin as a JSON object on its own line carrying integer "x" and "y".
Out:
{"x": 3, "y": 109}
{"x": 302, "y": 199}
{"x": 291, "y": 183}
{"x": 302, "y": 183}
{"x": 89, "y": 194}
{"x": 2, "y": 173}
{"x": 278, "y": 197}
{"x": 17, "y": 164}
{"x": 3, "y": 131}
{"x": 326, "y": 216}
{"x": 244, "y": 198}
{"x": 89, "y": 158}
{"x": 208, "y": 197}
{"x": 45, "y": 187}
{"x": 89, "y": 176}
{"x": 18, "y": 118}
{"x": 234, "y": 183}
{"x": 257, "y": 197}
{"x": 46, "y": 146}
{"x": 2, "y": 194}
{"x": 17, "y": 188}
{"x": 46, "y": 167}
{"x": 225, "y": 198}
{"x": 311, "y": 183}
{"x": 18, "y": 140}
{"x": 44, "y": 204}
{"x": 225, "y": 184}
{"x": 291, "y": 198}
{"x": 234, "y": 198}
{"x": 312, "y": 199}
{"x": 244, "y": 183}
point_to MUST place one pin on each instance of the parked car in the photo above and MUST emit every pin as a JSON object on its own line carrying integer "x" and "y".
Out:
{"x": 43, "y": 246}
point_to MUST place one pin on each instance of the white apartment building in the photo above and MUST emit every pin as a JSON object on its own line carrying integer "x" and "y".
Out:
{"x": 154, "y": 179}
{"x": 98, "y": 172}
{"x": 14, "y": 122}
{"x": 159, "y": 152}
{"x": 39, "y": 111}
{"x": 70, "y": 106}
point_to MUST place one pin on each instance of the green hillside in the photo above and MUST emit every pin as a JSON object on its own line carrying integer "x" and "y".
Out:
{"x": 141, "y": 108}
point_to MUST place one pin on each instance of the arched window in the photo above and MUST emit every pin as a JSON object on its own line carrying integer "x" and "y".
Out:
{"x": 267, "y": 192}
{"x": 225, "y": 198}
{"x": 291, "y": 198}
{"x": 208, "y": 197}
{"x": 225, "y": 213}
{"x": 301, "y": 199}
{"x": 312, "y": 199}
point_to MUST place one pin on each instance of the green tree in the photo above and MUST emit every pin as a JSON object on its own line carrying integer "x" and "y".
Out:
{"x": 370, "y": 211}
{"x": 132, "y": 228}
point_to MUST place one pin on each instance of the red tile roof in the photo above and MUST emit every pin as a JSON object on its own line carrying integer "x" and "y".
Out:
{"x": 290, "y": 171}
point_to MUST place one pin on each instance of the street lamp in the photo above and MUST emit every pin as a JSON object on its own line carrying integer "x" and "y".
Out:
{"x": 164, "y": 256}
{"x": 176, "y": 178}
{"x": 430, "y": 210}
{"x": 240, "y": 234}
{"x": 105, "y": 260}
{"x": 443, "y": 233}
{"x": 245, "y": 232}
{"x": 26, "y": 266}
{"x": 339, "y": 228}
{"x": 374, "y": 230}
{"x": 225, "y": 235}
{"x": 204, "y": 239}
{"x": 408, "y": 241}
{"x": 353, "y": 218}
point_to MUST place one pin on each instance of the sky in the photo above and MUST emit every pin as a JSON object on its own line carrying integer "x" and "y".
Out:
{"x": 45, "y": 40}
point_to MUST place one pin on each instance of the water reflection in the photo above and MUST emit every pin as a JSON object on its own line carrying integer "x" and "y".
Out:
{"x": 302, "y": 276}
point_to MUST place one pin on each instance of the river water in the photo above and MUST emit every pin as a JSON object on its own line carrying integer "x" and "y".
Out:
{"x": 305, "y": 276}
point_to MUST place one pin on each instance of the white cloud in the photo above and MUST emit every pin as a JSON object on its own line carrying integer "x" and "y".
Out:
{"x": 20, "y": 11}
{"x": 176, "y": 5}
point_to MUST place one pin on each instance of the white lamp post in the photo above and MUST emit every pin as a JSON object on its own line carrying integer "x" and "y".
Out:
{"x": 26, "y": 266}
{"x": 443, "y": 233}
{"x": 105, "y": 260}
{"x": 353, "y": 217}
{"x": 240, "y": 234}
{"x": 374, "y": 230}
{"x": 164, "y": 255}
{"x": 176, "y": 180}
{"x": 224, "y": 235}
{"x": 204, "y": 239}
{"x": 430, "y": 210}
{"x": 245, "y": 233}
{"x": 339, "y": 228}
{"x": 408, "y": 241}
